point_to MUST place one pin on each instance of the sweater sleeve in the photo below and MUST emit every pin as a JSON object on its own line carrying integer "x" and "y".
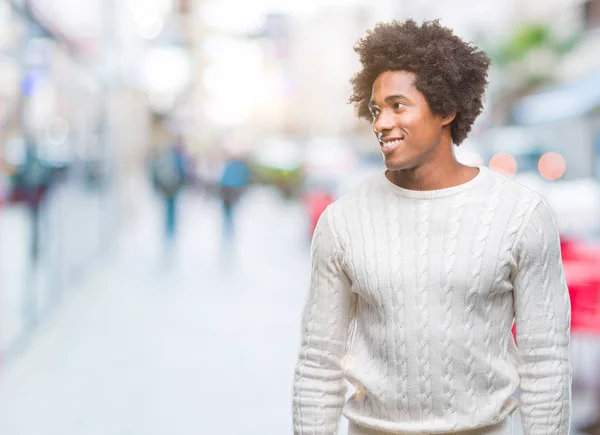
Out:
{"x": 319, "y": 388}
{"x": 542, "y": 315}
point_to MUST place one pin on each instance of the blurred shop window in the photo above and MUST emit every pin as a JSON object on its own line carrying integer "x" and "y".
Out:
{"x": 591, "y": 14}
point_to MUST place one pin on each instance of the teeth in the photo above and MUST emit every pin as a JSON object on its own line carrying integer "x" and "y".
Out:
{"x": 391, "y": 144}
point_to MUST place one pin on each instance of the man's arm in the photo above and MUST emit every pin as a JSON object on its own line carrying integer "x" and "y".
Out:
{"x": 543, "y": 315}
{"x": 319, "y": 389}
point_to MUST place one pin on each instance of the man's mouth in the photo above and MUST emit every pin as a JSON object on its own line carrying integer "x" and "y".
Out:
{"x": 391, "y": 142}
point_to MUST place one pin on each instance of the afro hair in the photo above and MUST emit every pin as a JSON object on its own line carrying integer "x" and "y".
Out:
{"x": 450, "y": 73}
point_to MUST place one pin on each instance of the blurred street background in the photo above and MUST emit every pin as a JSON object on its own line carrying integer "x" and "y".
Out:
{"x": 162, "y": 167}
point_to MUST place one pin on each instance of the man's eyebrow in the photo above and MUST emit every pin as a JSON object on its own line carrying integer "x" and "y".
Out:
{"x": 388, "y": 100}
{"x": 391, "y": 98}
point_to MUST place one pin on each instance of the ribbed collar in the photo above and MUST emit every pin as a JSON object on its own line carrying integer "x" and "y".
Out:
{"x": 431, "y": 194}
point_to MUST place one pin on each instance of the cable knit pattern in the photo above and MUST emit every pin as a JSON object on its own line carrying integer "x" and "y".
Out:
{"x": 543, "y": 335}
{"x": 503, "y": 268}
{"x": 455, "y": 217}
{"x": 369, "y": 260}
{"x": 412, "y": 297}
{"x": 319, "y": 384}
{"x": 398, "y": 351}
{"x": 506, "y": 316}
{"x": 475, "y": 278}
{"x": 422, "y": 240}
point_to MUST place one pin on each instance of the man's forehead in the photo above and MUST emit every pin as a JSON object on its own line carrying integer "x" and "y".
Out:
{"x": 394, "y": 79}
{"x": 392, "y": 84}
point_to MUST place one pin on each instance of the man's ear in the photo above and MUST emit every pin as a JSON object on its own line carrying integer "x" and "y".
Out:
{"x": 448, "y": 119}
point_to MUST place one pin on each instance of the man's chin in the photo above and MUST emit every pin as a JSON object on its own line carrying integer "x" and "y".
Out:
{"x": 396, "y": 165}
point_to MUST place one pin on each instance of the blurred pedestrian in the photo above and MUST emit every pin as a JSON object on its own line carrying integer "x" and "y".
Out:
{"x": 419, "y": 271}
{"x": 33, "y": 180}
{"x": 168, "y": 175}
{"x": 234, "y": 180}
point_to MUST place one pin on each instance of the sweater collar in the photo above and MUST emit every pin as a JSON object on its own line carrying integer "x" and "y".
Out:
{"x": 431, "y": 194}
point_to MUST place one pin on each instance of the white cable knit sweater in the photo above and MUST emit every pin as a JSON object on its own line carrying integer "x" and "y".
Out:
{"x": 412, "y": 298}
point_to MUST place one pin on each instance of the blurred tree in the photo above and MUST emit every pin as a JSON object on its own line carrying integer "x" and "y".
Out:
{"x": 526, "y": 61}
{"x": 520, "y": 44}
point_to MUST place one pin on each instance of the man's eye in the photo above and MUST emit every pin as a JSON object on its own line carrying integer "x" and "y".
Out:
{"x": 398, "y": 106}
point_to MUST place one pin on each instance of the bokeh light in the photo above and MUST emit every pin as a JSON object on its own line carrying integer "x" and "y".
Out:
{"x": 504, "y": 163}
{"x": 552, "y": 166}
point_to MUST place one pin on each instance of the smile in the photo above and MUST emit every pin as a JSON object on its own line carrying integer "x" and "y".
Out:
{"x": 390, "y": 145}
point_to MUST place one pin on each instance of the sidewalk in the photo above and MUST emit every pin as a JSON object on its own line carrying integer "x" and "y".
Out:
{"x": 70, "y": 230}
{"x": 144, "y": 349}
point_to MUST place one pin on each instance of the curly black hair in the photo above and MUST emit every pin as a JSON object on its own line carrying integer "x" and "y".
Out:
{"x": 450, "y": 73}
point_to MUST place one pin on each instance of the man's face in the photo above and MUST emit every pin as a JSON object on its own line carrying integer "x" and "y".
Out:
{"x": 407, "y": 131}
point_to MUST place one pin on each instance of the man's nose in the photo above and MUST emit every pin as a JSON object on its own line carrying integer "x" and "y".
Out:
{"x": 383, "y": 122}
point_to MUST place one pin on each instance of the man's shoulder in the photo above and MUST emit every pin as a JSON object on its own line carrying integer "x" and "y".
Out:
{"x": 362, "y": 190}
{"x": 514, "y": 190}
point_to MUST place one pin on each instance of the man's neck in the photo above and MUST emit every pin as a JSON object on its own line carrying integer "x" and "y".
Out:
{"x": 433, "y": 176}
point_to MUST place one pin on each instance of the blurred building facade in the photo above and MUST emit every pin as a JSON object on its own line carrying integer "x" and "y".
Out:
{"x": 563, "y": 113}
{"x": 76, "y": 87}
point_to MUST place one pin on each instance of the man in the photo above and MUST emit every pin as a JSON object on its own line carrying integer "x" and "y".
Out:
{"x": 234, "y": 180}
{"x": 419, "y": 272}
{"x": 34, "y": 179}
{"x": 169, "y": 176}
